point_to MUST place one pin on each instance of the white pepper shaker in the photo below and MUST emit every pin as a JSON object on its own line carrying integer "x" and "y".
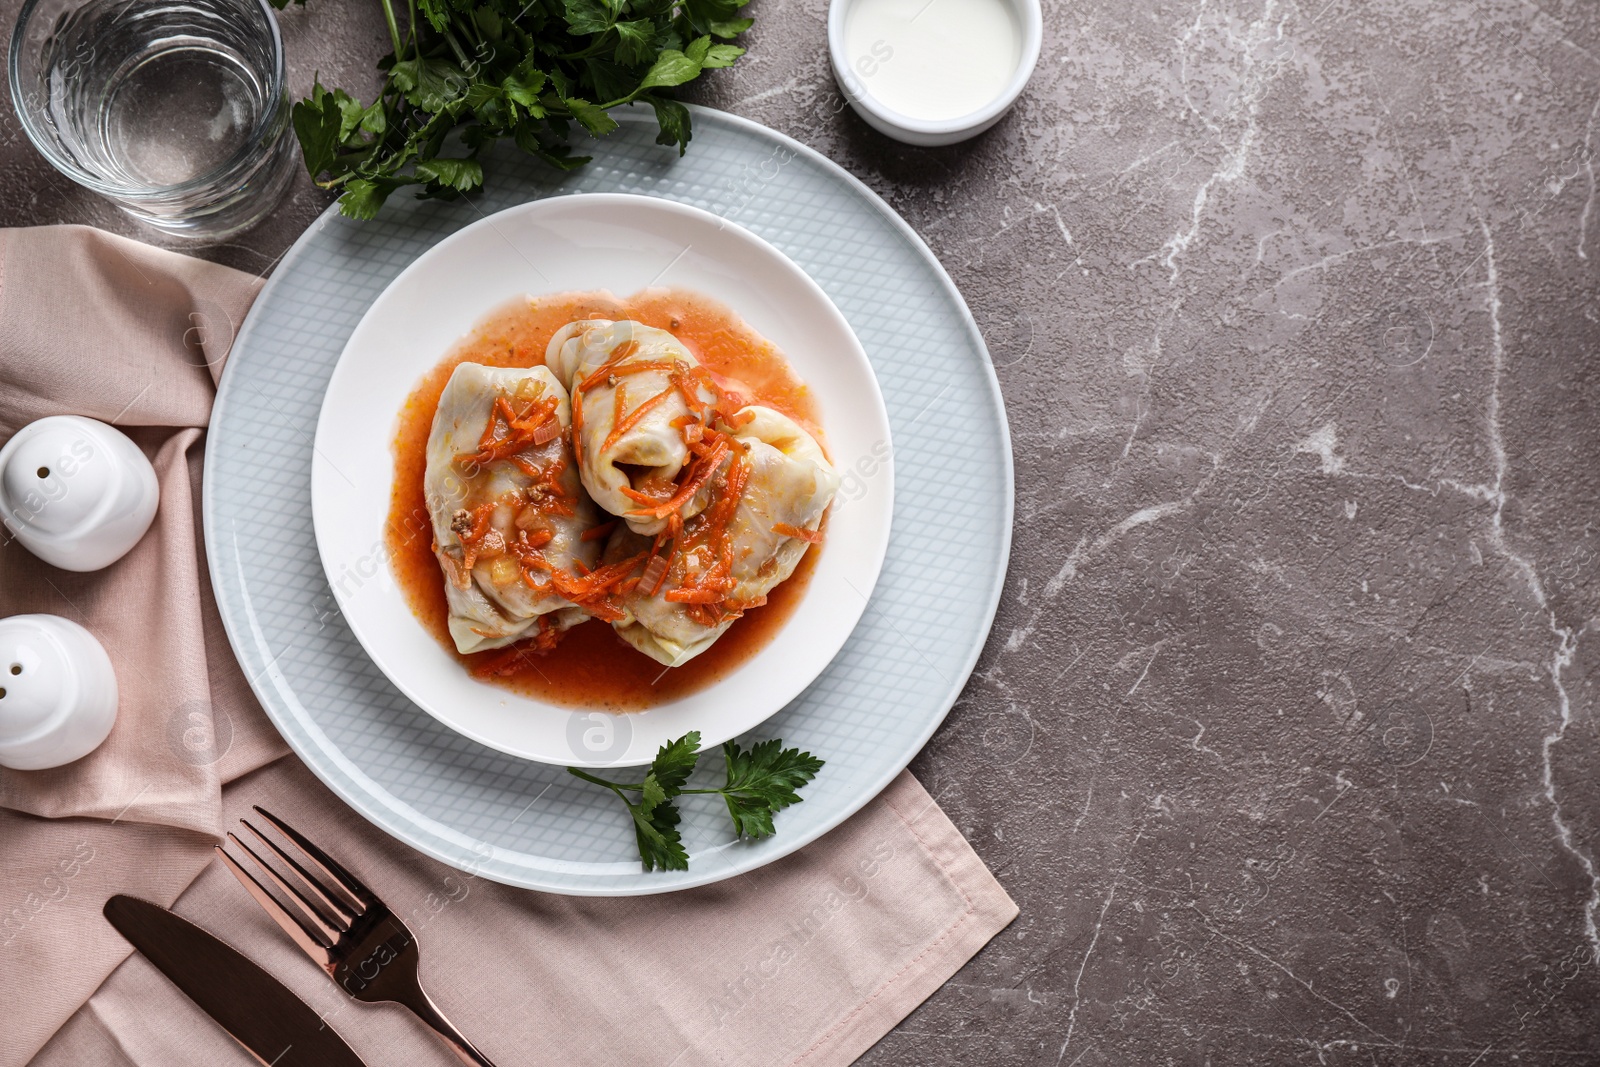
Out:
{"x": 76, "y": 492}
{"x": 58, "y": 693}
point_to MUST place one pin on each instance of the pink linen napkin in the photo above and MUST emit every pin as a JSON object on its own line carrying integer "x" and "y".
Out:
{"x": 807, "y": 961}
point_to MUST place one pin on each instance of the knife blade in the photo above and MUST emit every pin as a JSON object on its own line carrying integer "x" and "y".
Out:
{"x": 258, "y": 1011}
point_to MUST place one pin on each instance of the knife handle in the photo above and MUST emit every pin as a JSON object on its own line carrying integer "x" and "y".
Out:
{"x": 422, "y": 1006}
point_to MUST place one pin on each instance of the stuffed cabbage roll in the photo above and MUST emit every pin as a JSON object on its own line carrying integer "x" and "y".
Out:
{"x": 507, "y": 508}
{"x": 634, "y": 389}
{"x": 697, "y": 576}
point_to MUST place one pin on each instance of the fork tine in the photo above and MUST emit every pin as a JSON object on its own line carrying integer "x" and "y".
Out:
{"x": 332, "y": 903}
{"x": 304, "y": 936}
{"x": 346, "y": 881}
{"x": 308, "y": 910}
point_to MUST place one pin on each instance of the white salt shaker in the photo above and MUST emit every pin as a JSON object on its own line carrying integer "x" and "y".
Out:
{"x": 58, "y": 693}
{"x": 77, "y": 493}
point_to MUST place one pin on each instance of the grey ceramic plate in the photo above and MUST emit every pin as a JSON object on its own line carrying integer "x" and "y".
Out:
{"x": 532, "y": 825}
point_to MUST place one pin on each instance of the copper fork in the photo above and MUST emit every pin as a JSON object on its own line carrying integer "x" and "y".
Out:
{"x": 343, "y": 926}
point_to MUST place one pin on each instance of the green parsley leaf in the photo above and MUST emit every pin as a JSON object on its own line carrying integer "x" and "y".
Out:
{"x": 660, "y": 845}
{"x": 523, "y": 87}
{"x": 761, "y": 781}
{"x": 462, "y": 175}
{"x": 589, "y": 116}
{"x": 363, "y": 197}
{"x": 652, "y": 793}
{"x": 317, "y": 121}
{"x": 721, "y": 55}
{"x": 672, "y": 68}
{"x": 590, "y": 16}
{"x": 673, "y": 118}
{"x": 675, "y": 761}
{"x": 429, "y": 84}
{"x": 634, "y": 40}
{"x": 437, "y": 12}
{"x": 655, "y": 817}
{"x": 463, "y": 74}
{"x": 716, "y": 17}
{"x": 726, "y": 28}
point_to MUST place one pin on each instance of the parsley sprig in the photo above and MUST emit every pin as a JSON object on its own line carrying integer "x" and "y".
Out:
{"x": 761, "y": 781}
{"x": 466, "y": 73}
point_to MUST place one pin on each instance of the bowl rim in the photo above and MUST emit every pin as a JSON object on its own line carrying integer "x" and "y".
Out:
{"x": 1030, "y": 14}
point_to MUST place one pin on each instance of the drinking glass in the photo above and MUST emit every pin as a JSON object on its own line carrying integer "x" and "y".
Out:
{"x": 173, "y": 109}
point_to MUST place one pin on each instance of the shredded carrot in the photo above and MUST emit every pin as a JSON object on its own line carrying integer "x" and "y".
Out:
{"x": 500, "y": 408}
{"x": 619, "y": 405}
{"x": 638, "y": 497}
{"x": 595, "y": 533}
{"x": 691, "y": 396}
{"x": 604, "y": 610}
{"x": 618, "y": 429}
{"x": 577, "y": 419}
{"x": 596, "y": 582}
{"x": 783, "y": 529}
{"x": 707, "y": 465}
{"x": 693, "y": 596}
{"x": 521, "y": 430}
{"x": 602, "y": 372}
{"x": 725, "y": 402}
{"x": 639, "y": 368}
{"x": 475, "y": 533}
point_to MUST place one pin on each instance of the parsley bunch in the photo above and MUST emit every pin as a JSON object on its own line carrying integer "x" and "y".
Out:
{"x": 762, "y": 780}
{"x": 483, "y": 70}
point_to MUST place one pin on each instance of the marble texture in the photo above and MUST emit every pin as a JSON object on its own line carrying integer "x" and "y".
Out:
{"x": 1286, "y": 738}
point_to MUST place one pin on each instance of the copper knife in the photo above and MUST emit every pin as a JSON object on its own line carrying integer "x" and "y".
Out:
{"x": 258, "y": 1011}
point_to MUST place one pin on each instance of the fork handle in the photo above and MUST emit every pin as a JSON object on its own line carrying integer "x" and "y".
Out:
{"x": 423, "y": 1007}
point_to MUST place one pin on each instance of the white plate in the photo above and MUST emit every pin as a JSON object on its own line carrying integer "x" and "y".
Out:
{"x": 532, "y": 824}
{"x": 622, "y": 243}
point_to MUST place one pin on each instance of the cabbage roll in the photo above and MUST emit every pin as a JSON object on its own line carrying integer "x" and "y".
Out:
{"x": 696, "y": 577}
{"x": 507, "y": 508}
{"x": 632, "y": 386}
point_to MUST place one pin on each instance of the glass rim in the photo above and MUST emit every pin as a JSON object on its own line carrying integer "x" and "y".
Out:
{"x": 45, "y": 146}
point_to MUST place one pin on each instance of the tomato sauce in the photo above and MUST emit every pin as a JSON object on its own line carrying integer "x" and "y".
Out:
{"x": 592, "y": 667}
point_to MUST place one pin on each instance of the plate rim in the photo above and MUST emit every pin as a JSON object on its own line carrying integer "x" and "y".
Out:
{"x": 364, "y": 804}
{"x": 487, "y": 222}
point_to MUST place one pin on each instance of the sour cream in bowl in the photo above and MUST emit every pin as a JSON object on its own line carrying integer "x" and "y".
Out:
{"x": 933, "y": 72}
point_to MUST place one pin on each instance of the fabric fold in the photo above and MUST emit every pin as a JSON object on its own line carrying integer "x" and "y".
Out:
{"x": 808, "y": 960}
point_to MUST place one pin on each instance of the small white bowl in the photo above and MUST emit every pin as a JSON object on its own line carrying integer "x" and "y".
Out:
{"x": 933, "y": 132}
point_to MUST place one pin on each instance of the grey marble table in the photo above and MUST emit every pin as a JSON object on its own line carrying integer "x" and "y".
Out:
{"x": 1286, "y": 739}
